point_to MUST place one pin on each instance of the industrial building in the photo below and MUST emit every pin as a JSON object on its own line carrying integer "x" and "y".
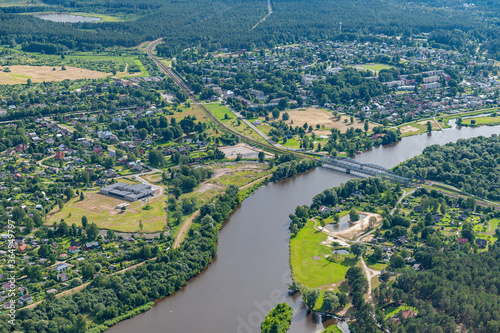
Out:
{"x": 128, "y": 192}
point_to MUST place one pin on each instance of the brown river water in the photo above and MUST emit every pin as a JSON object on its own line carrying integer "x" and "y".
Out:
{"x": 250, "y": 273}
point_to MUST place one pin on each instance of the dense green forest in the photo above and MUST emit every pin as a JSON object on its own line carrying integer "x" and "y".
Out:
{"x": 229, "y": 23}
{"x": 455, "y": 288}
{"x": 471, "y": 165}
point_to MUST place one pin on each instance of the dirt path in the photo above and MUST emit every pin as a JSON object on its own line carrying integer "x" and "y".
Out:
{"x": 370, "y": 273}
{"x": 244, "y": 187}
{"x": 184, "y": 229}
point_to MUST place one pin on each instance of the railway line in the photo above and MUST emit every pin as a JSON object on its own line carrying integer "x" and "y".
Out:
{"x": 191, "y": 95}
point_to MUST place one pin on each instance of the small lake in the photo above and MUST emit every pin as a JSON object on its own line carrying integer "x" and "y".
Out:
{"x": 66, "y": 18}
{"x": 343, "y": 223}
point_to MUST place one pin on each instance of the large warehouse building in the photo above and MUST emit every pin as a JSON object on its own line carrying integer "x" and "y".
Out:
{"x": 127, "y": 191}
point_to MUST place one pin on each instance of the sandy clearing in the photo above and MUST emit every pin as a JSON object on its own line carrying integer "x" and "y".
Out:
{"x": 19, "y": 74}
{"x": 408, "y": 129}
{"x": 434, "y": 124}
{"x": 244, "y": 149}
{"x": 357, "y": 229}
{"x": 324, "y": 118}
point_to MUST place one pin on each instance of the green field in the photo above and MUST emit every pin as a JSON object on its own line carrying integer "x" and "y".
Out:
{"x": 316, "y": 273}
{"x": 374, "y": 67}
{"x": 490, "y": 121}
{"x": 219, "y": 111}
{"x": 101, "y": 210}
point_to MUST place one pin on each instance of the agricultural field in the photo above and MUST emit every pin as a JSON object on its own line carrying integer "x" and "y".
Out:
{"x": 324, "y": 118}
{"x": 19, "y": 74}
{"x": 101, "y": 210}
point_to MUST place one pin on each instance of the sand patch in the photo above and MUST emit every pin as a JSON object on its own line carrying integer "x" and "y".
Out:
{"x": 325, "y": 119}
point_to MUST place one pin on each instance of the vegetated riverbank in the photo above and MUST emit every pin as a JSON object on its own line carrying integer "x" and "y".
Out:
{"x": 318, "y": 272}
{"x": 252, "y": 262}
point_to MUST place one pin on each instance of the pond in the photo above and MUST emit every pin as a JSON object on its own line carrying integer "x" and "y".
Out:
{"x": 66, "y": 18}
{"x": 343, "y": 223}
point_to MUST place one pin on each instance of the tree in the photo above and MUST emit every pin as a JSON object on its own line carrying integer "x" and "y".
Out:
{"x": 68, "y": 192}
{"x": 262, "y": 156}
{"x": 311, "y": 296}
{"x": 92, "y": 231}
{"x": 330, "y": 301}
{"x": 85, "y": 221}
{"x": 397, "y": 261}
{"x": 366, "y": 126}
{"x": 377, "y": 254}
{"x": 353, "y": 215}
{"x": 371, "y": 222}
{"x": 87, "y": 271}
{"x": 82, "y": 197}
{"x": 429, "y": 127}
{"x": 358, "y": 249}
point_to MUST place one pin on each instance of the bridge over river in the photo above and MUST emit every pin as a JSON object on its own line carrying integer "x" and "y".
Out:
{"x": 349, "y": 165}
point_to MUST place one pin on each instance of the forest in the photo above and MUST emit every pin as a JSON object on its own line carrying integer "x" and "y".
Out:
{"x": 471, "y": 165}
{"x": 228, "y": 23}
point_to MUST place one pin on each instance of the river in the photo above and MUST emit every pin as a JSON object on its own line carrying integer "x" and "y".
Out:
{"x": 250, "y": 273}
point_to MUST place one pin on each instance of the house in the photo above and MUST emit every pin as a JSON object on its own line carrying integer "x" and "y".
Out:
{"x": 325, "y": 209}
{"x": 22, "y": 247}
{"x": 112, "y": 267}
{"x": 24, "y": 300}
{"x": 8, "y": 286}
{"x": 417, "y": 267}
{"x": 61, "y": 267}
{"x": 408, "y": 313}
{"x": 52, "y": 291}
{"x": 91, "y": 246}
{"x": 62, "y": 277}
{"x": 401, "y": 241}
{"x": 59, "y": 155}
{"x": 75, "y": 244}
{"x": 63, "y": 255}
{"x": 481, "y": 242}
{"x": 73, "y": 249}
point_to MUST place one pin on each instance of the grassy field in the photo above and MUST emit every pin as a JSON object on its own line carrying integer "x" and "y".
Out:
{"x": 101, "y": 210}
{"x": 219, "y": 111}
{"x": 490, "y": 121}
{"x": 19, "y": 74}
{"x": 316, "y": 273}
{"x": 374, "y": 67}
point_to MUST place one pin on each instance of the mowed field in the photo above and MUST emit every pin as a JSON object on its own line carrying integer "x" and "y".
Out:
{"x": 19, "y": 74}
{"x": 101, "y": 209}
{"x": 324, "y": 118}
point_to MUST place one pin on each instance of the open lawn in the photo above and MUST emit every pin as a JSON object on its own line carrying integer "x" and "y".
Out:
{"x": 373, "y": 67}
{"x": 101, "y": 209}
{"x": 19, "y": 74}
{"x": 479, "y": 121}
{"x": 324, "y": 118}
{"x": 321, "y": 273}
{"x": 219, "y": 111}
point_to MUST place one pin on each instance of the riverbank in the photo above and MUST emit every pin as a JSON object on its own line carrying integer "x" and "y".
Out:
{"x": 251, "y": 268}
